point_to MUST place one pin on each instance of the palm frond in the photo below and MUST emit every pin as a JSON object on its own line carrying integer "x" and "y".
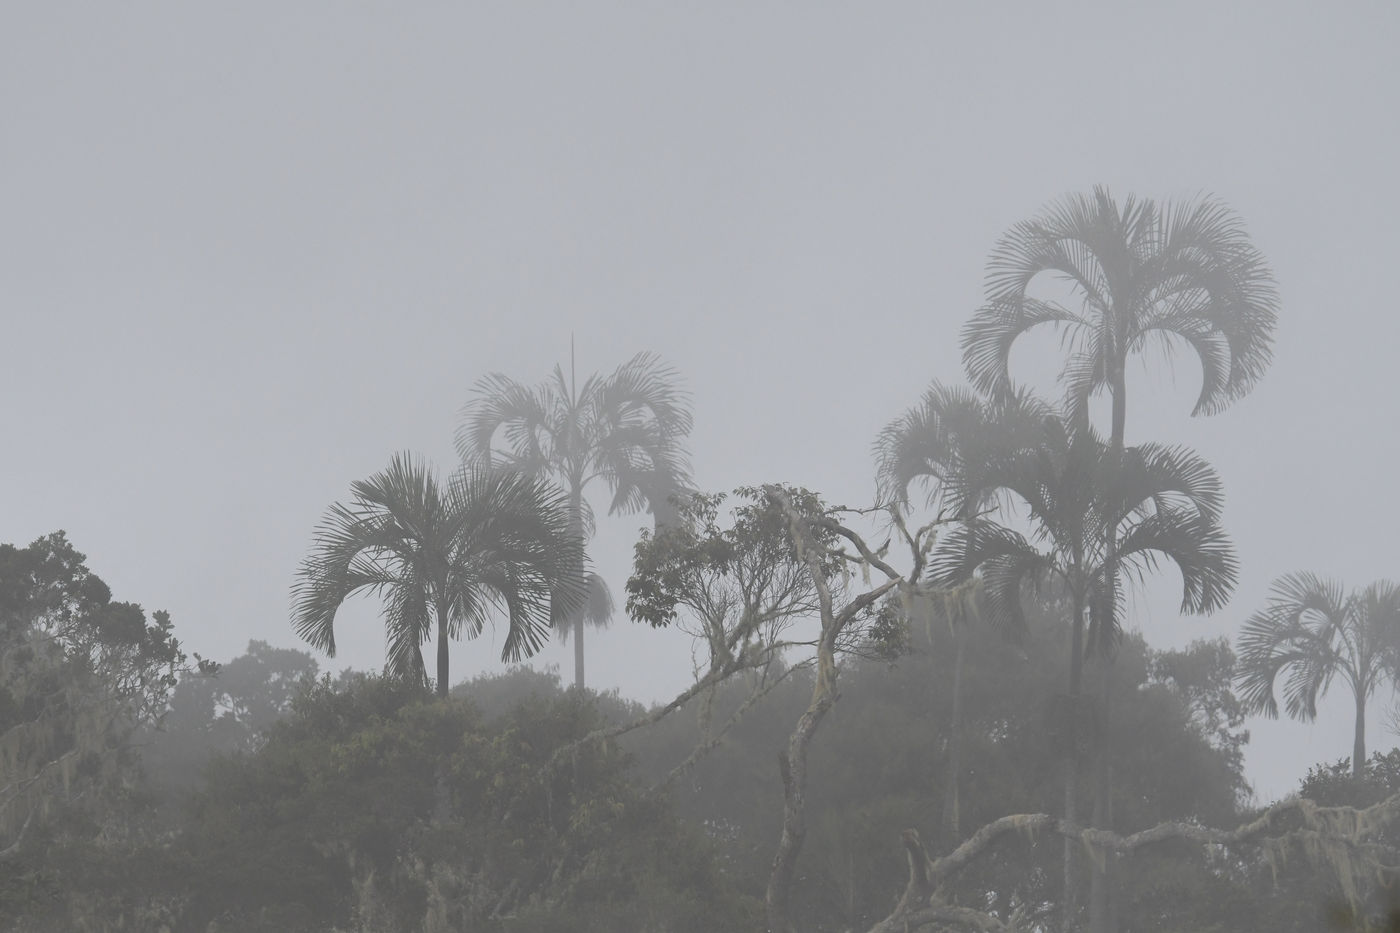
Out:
{"x": 1294, "y": 634}
{"x": 1006, "y": 561}
{"x": 928, "y": 445}
{"x": 646, "y": 387}
{"x": 597, "y": 611}
{"x": 1165, "y": 476}
{"x": 1200, "y": 549}
{"x": 408, "y": 623}
{"x": 988, "y": 337}
{"x": 502, "y": 405}
{"x": 1204, "y": 242}
{"x": 379, "y": 542}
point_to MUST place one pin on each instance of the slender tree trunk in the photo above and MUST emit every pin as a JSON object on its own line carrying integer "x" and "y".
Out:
{"x": 578, "y": 651}
{"x": 1102, "y": 912}
{"x": 1358, "y": 744}
{"x": 576, "y": 525}
{"x": 1120, "y": 409}
{"x": 1102, "y": 894}
{"x": 1072, "y": 713}
{"x": 442, "y": 798}
{"x": 792, "y": 764}
{"x": 951, "y": 815}
{"x": 442, "y": 653}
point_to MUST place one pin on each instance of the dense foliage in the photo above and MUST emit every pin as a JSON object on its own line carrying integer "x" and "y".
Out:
{"x": 879, "y": 736}
{"x": 880, "y": 767}
{"x": 373, "y": 806}
{"x": 81, "y": 675}
{"x": 274, "y": 800}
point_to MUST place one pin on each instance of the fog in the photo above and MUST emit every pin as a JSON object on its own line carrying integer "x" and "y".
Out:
{"x": 250, "y": 252}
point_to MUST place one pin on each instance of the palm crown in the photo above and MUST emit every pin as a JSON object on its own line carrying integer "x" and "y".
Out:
{"x": 442, "y": 557}
{"x": 1137, "y": 273}
{"x": 1161, "y": 503}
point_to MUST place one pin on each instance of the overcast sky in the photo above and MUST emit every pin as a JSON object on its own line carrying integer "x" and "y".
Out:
{"x": 248, "y": 251}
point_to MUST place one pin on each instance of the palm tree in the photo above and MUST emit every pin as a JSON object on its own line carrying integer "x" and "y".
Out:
{"x": 444, "y": 558}
{"x": 1162, "y": 502}
{"x": 1314, "y": 633}
{"x": 625, "y": 430}
{"x": 1137, "y": 275}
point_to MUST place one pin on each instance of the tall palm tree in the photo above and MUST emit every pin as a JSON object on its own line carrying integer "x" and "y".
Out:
{"x": 1129, "y": 277}
{"x": 1314, "y": 633}
{"x": 442, "y": 558}
{"x": 625, "y": 430}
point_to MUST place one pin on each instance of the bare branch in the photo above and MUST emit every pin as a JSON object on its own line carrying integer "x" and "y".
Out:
{"x": 918, "y": 906}
{"x": 708, "y": 744}
{"x": 714, "y": 677}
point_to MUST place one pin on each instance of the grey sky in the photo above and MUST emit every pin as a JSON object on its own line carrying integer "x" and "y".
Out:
{"x": 249, "y": 251}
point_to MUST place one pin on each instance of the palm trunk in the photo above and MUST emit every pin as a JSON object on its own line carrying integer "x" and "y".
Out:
{"x": 1102, "y": 912}
{"x": 578, "y": 652}
{"x": 442, "y": 798}
{"x": 576, "y": 526}
{"x": 442, "y": 652}
{"x": 1358, "y": 744}
{"x": 1076, "y": 679}
{"x": 955, "y": 727}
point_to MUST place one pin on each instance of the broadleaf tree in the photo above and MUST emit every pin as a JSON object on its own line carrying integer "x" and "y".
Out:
{"x": 81, "y": 674}
{"x": 788, "y": 562}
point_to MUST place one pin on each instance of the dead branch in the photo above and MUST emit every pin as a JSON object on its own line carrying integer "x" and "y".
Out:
{"x": 920, "y": 906}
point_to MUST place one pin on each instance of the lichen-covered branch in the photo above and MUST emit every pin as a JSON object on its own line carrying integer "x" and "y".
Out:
{"x": 1321, "y": 831}
{"x": 793, "y": 759}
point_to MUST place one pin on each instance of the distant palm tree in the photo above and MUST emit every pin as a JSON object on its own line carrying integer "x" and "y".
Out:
{"x": 626, "y": 430}
{"x": 443, "y": 558}
{"x": 1310, "y": 630}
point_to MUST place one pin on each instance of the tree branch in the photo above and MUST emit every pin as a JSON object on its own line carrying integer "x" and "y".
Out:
{"x": 919, "y": 905}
